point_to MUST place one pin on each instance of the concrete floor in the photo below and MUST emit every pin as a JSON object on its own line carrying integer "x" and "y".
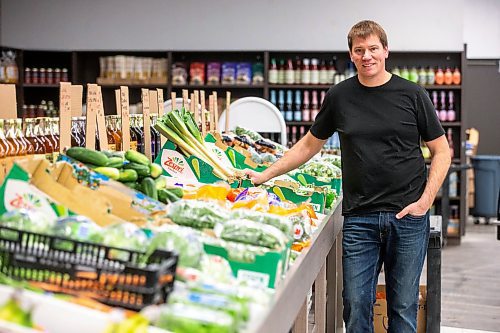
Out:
{"x": 470, "y": 294}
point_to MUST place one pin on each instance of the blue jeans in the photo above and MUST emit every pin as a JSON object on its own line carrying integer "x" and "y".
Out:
{"x": 369, "y": 241}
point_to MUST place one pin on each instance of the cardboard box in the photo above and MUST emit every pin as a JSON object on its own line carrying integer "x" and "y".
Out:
{"x": 289, "y": 191}
{"x": 306, "y": 179}
{"x": 381, "y": 321}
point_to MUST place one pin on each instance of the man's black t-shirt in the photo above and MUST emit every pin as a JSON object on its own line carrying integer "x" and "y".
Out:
{"x": 380, "y": 130}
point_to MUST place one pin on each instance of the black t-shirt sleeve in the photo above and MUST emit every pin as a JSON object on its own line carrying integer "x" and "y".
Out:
{"x": 324, "y": 125}
{"x": 428, "y": 123}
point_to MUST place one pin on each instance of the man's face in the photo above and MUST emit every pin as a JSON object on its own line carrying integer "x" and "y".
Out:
{"x": 369, "y": 56}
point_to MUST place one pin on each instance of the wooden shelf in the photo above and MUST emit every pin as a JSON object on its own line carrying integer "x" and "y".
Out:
{"x": 443, "y": 87}
{"x": 148, "y": 85}
{"x": 300, "y": 86}
{"x": 218, "y": 86}
{"x": 299, "y": 123}
{"x": 32, "y": 85}
{"x": 451, "y": 123}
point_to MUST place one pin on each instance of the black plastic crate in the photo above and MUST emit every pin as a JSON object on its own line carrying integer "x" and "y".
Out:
{"x": 113, "y": 276}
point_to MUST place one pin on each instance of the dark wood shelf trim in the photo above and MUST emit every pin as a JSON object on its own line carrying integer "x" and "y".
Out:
{"x": 32, "y": 85}
{"x": 300, "y": 86}
{"x": 299, "y": 123}
{"x": 443, "y": 86}
{"x": 218, "y": 86}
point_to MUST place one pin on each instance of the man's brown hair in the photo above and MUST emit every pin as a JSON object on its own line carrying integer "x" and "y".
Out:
{"x": 364, "y": 29}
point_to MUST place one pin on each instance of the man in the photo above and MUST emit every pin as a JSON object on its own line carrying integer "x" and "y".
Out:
{"x": 380, "y": 119}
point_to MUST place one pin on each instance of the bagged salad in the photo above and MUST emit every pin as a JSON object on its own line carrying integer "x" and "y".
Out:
{"x": 277, "y": 221}
{"x": 254, "y": 233}
{"x": 197, "y": 214}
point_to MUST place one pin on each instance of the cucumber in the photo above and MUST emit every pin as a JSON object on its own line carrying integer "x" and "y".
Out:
{"x": 132, "y": 185}
{"x": 112, "y": 173}
{"x": 161, "y": 182}
{"x": 135, "y": 156}
{"x": 115, "y": 162}
{"x": 129, "y": 175}
{"x": 141, "y": 169}
{"x": 166, "y": 196}
{"x": 156, "y": 170}
{"x": 149, "y": 188}
{"x": 87, "y": 156}
{"x": 177, "y": 191}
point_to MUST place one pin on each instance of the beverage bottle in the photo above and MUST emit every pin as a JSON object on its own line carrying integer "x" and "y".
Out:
{"x": 52, "y": 130}
{"x": 297, "y": 114}
{"x": 133, "y": 138}
{"x": 289, "y": 136}
{"x": 306, "y": 72}
{"x": 30, "y": 149}
{"x": 323, "y": 72}
{"x": 297, "y": 74}
{"x": 448, "y": 76}
{"x": 413, "y": 74}
{"x": 154, "y": 137}
{"x": 457, "y": 77}
{"x": 443, "y": 114}
{"x": 314, "y": 105}
{"x": 449, "y": 135}
{"x": 281, "y": 102}
{"x": 422, "y": 76}
{"x": 322, "y": 98}
{"x": 273, "y": 72}
{"x": 451, "y": 114}
{"x": 281, "y": 72}
{"x": 37, "y": 143}
{"x": 81, "y": 128}
{"x": 110, "y": 134}
{"x": 75, "y": 131}
{"x": 289, "y": 73}
{"x": 332, "y": 70}
{"x": 405, "y": 74}
{"x": 5, "y": 147}
{"x": 396, "y": 71}
{"x": 314, "y": 71}
{"x": 19, "y": 148}
{"x": 272, "y": 97}
{"x": 306, "y": 112}
{"x": 136, "y": 126}
{"x": 439, "y": 77}
{"x": 350, "y": 72}
{"x": 430, "y": 75}
{"x": 302, "y": 132}
{"x": 117, "y": 133}
{"x": 39, "y": 131}
{"x": 294, "y": 135}
{"x": 289, "y": 106}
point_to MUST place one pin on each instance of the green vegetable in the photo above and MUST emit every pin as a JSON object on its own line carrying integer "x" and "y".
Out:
{"x": 112, "y": 173}
{"x": 197, "y": 214}
{"x": 277, "y": 221}
{"x": 167, "y": 196}
{"x": 250, "y": 232}
{"x": 135, "y": 156}
{"x": 126, "y": 236}
{"x": 148, "y": 187}
{"x": 115, "y": 162}
{"x": 156, "y": 170}
{"x": 87, "y": 156}
{"x": 133, "y": 185}
{"x": 27, "y": 220}
{"x": 141, "y": 169}
{"x": 177, "y": 191}
{"x": 128, "y": 175}
{"x": 161, "y": 182}
{"x": 78, "y": 228}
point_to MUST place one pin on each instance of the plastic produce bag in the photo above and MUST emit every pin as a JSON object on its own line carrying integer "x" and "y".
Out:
{"x": 124, "y": 235}
{"x": 27, "y": 220}
{"x": 76, "y": 227}
{"x": 277, "y": 221}
{"x": 184, "y": 241}
{"x": 188, "y": 318}
{"x": 197, "y": 214}
{"x": 250, "y": 232}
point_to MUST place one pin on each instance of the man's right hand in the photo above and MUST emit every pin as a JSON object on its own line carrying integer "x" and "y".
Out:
{"x": 256, "y": 177}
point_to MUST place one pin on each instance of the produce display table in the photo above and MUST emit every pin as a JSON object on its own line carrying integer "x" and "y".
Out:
{"x": 321, "y": 261}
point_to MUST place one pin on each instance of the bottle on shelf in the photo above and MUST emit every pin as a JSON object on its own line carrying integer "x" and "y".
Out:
{"x": 306, "y": 111}
{"x": 314, "y": 105}
{"x": 75, "y": 133}
{"x": 273, "y": 72}
{"x": 289, "y": 72}
{"x": 439, "y": 76}
{"x": 396, "y": 71}
{"x": 451, "y": 115}
{"x": 350, "y": 71}
{"x": 443, "y": 112}
{"x": 322, "y": 98}
{"x": 116, "y": 126}
{"x": 19, "y": 149}
{"x": 272, "y": 97}
{"x": 136, "y": 126}
{"x": 39, "y": 132}
{"x": 302, "y": 132}
{"x": 110, "y": 134}
{"x": 6, "y": 149}
{"x": 133, "y": 137}
{"x": 457, "y": 76}
{"x": 37, "y": 143}
{"x": 297, "y": 114}
{"x": 448, "y": 76}
{"x": 289, "y": 106}
{"x": 434, "y": 95}
{"x": 30, "y": 149}
{"x": 298, "y": 70}
{"x": 323, "y": 72}
{"x": 314, "y": 71}
{"x": 281, "y": 72}
{"x": 155, "y": 138}
{"x": 449, "y": 135}
{"x": 294, "y": 135}
{"x": 52, "y": 130}
{"x": 34, "y": 76}
{"x": 306, "y": 72}
{"x": 413, "y": 74}
{"x": 281, "y": 102}
{"x": 430, "y": 75}
{"x": 332, "y": 70}
{"x": 422, "y": 76}
{"x": 27, "y": 75}
{"x": 405, "y": 73}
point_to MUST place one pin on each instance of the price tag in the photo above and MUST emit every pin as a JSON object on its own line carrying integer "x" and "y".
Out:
{"x": 203, "y": 117}
{"x": 90, "y": 122}
{"x": 101, "y": 124}
{"x": 125, "y": 114}
{"x": 64, "y": 116}
{"x": 76, "y": 100}
{"x": 153, "y": 102}
{"x": 216, "y": 112}
{"x": 161, "y": 106}
{"x": 8, "y": 106}
{"x": 147, "y": 122}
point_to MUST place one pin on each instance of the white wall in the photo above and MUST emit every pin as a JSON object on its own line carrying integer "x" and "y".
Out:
{"x": 482, "y": 29}
{"x": 424, "y": 25}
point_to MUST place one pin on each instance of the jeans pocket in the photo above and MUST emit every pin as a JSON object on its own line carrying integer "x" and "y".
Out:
{"x": 415, "y": 218}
